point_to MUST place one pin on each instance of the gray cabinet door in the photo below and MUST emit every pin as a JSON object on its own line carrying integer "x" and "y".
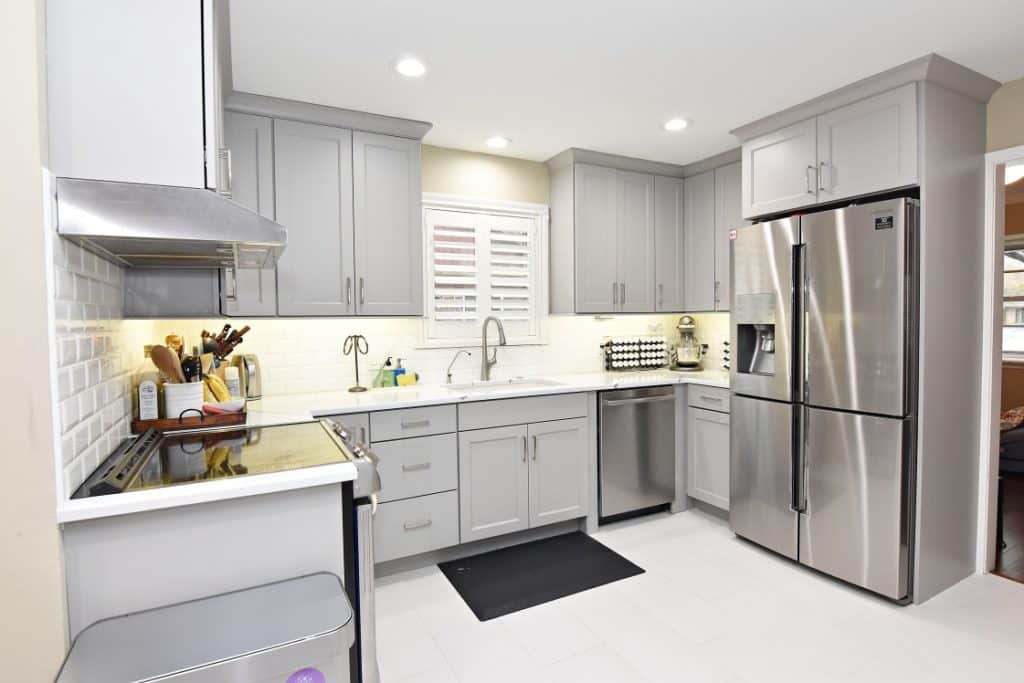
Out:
{"x": 779, "y": 170}
{"x": 558, "y": 471}
{"x": 494, "y": 486}
{"x": 596, "y": 201}
{"x": 313, "y": 188}
{"x": 635, "y": 241}
{"x": 868, "y": 146}
{"x": 699, "y": 242}
{"x": 388, "y": 227}
{"x": 669, "y": 255}
{"x": 250, "y": 139}
{"x": 728, "y": 217}
{"x": 707, "y": 456}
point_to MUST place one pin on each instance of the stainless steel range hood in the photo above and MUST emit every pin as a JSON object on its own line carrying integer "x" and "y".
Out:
{"x": 161, "y": 226}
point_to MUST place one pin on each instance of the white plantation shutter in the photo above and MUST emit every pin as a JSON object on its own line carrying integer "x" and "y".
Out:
{"x": 478, "y": 265}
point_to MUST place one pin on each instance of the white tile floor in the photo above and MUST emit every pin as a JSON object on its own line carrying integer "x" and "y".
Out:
{"x": 709, "y": 608}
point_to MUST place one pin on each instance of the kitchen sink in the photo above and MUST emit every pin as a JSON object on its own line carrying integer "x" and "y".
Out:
{"x": 497, "y": 385}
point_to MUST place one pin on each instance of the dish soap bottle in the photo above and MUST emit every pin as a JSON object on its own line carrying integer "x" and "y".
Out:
{"x": 386, "y": 375}
{"x": 399, "y": 371}
{"x": 146, "y": 388}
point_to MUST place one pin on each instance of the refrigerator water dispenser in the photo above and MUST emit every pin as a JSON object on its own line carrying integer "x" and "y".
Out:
{"x": 755, "y": 348}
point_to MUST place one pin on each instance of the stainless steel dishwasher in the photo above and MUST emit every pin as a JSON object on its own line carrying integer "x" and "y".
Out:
{"x": 637, "y": 449}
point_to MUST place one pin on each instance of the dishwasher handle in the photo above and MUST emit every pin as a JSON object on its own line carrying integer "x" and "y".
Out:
{"x": 635, "y": 401}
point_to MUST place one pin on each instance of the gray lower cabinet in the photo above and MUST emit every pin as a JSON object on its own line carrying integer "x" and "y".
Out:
{"x": 494, "y": 482}
{"x": 520, "y": 477}
{"x": 250, "y": 292}
{"x": 558, "y": 471}
{"x": 699, "y": 249}
{"x": 416, "y": 525}
{"x": 313, "y": 182}
{"x": 388, "y": 226}
{"x": 707, "y": 456}
{"x": 417, "y": 467}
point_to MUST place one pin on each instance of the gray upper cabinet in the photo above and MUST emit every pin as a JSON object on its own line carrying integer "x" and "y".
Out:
{"x": 596, "y": 219}
{"x": 388, "y": 230}
{"x": 250, "y": 139}
{"x": 494, "y": 482}
{"x": 779, "y": 170}
{"x": 635, "y": 241}
{"x": 313, "y": 174}
{"x": 699, "y": 248}
{"x": 728, "y": 217}
{"x": 669, "y": 254}
{"x": 868, "y": 146}
{"x": 865, "y": 147}
{"x": 558, "y": 471}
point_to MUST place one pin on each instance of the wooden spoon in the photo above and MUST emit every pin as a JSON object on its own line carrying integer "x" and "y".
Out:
{"x": 168, "y": 362}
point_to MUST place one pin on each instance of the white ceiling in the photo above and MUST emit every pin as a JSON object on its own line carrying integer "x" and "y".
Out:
{"x": 602, "y": 74}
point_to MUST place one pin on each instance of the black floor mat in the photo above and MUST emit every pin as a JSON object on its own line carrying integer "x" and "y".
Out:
{"x": 508, "y": 580}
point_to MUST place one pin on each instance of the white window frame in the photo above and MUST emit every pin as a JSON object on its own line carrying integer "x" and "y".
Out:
{"x": 1011, "y": 243}
{"x": 538, "y": 213}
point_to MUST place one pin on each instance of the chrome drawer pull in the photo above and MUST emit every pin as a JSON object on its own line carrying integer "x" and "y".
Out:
{"x": 423, "y": 523}
{"x": 715, "y": 399}
{"x": 410, "y": 424}
{"x": 418, "y": 466}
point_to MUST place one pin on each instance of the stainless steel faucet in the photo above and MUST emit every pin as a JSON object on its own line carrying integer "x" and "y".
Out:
{"x": 488, "y": 360}
{"x": 455, "y": 358}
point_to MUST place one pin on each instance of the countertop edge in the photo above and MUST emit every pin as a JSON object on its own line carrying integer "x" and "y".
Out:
{"x": 203, "y": 492}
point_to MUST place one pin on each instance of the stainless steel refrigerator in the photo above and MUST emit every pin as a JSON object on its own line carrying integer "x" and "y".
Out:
{"x": 824, "y": 319}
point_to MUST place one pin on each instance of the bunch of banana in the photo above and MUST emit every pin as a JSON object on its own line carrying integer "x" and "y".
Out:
{"x": 215, "y": 390}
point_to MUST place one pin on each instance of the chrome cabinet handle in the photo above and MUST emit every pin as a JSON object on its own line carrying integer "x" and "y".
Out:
{"x": 821, "y": 177}
{"x": 717, "y": 298}
{"x": 534, "y": 439}
{"x": 418, "y": 466}
{"x": 524, "y": 449}
{"x": 348, "y": 291}
{"x": 362, "y": 292}
{"x": 661, "y": 295}
{"x": 419, "y": 524}
{"x": 615, "y": 294}
{"x": 362, "y": 434}
{"x": 807, "y": 178}
{"x": 231, "y": 297}
{"x": 715, "y": 399}
{"x": 412, "y": 424}
{"x": 622, "y": 296}
{"x": 224, "y": 176}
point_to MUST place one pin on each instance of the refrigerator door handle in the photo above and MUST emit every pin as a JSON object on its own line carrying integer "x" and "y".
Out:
{"x": 799, "y": 296}
{"x": 799, "y": 464}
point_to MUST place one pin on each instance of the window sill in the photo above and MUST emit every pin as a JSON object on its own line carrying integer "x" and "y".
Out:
{"x": 1014, "y": 359}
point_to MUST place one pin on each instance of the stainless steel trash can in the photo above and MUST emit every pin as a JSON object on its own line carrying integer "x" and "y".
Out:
{"x": 294, "y": 631}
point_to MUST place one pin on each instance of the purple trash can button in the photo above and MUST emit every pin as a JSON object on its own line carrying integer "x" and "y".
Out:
{"x": 308, "y": 675}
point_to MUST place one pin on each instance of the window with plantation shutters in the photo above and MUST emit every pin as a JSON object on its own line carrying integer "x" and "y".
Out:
{"x": 481, "y": 263}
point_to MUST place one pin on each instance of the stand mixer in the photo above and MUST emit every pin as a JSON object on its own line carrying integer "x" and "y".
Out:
{"x": 690, "y": 351}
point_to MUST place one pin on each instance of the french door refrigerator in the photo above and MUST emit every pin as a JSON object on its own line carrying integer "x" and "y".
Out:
{"x": 823, "y": 390}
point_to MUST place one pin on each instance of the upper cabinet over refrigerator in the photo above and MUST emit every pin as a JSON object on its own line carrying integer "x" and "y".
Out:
{"x": 762, "y": 309}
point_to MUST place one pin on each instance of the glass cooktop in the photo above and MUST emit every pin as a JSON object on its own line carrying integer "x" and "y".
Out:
{"x": 154, "y": 459}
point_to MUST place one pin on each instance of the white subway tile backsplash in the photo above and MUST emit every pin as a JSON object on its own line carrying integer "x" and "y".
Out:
{"x": 94, "y": 412}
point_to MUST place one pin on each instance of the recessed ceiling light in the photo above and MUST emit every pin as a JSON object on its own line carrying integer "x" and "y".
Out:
{"x": 674, "y": 125}
{"x": 498, "y": 142}
{"x": 411, "y": 67}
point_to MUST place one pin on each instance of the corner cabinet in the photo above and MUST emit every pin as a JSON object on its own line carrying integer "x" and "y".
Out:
{"x": 728, "y": 217}
{"x": 388, "y": 232}
{"x": 864, "y": 147}
{"x": 699, "y": 243}
{"x": 313, "y": 183}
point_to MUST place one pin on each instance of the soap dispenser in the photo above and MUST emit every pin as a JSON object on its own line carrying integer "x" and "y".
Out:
{"x": 399, "y": 371}
{"x": 386, "y": 375}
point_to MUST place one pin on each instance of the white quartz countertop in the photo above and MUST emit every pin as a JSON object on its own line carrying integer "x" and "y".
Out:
{"x": 291, "y": 409}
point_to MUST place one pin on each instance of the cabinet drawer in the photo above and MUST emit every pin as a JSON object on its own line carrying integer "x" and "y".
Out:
{"x": 709, "y": 398}
{"x": 517, "y": 411}
{"x": 401, "y": 424}
{"x": 416, "y": 467}
{"x": 417, "y": 525}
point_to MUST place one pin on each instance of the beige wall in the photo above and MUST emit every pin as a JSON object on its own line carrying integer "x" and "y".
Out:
{"x": 455, "y": 171}
{"x": 1006, "y": 116}
{"x": 31, "y": 583}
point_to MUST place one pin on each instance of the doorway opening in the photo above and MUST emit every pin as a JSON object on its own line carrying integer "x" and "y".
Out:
{"x": 1002, "y": 467}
